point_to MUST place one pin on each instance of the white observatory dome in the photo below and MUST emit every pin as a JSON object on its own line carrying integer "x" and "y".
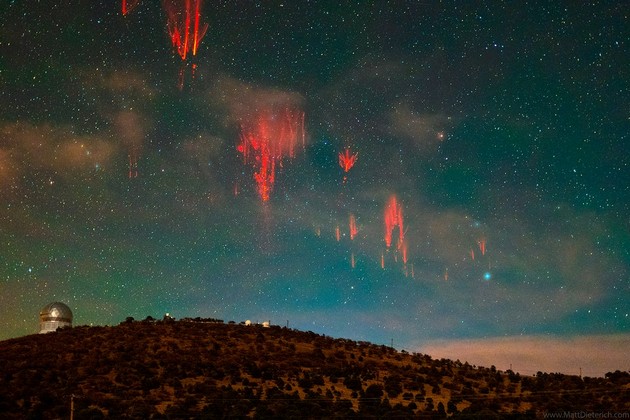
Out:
{"x": 54, "y": 315}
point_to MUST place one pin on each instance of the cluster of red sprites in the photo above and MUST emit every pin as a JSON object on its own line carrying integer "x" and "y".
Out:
{"x": 273, "y": 135}
{"x": 394, "y": 236}
{"x": 393, "y": 217}
{"x": 267, "y": 139}
{"x": 185, "y": 26}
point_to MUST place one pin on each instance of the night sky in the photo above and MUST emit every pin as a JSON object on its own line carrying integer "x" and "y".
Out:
{"x": 500, "y": 129}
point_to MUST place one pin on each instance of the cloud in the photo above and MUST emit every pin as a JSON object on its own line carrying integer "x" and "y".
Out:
{"x": 126, "y": 95}
{"x": 126, "y": 82}
{"x": 62, "y": 149}
{"x": 594, "y": 354}
{"x": 116, "y": 88}
{"x": 425, "y": 130}
{"x": 131, "y": 128}
{"x": 8, "y": 168}
{"x": 44, "y": 147}
{"x": 243, "y": 101}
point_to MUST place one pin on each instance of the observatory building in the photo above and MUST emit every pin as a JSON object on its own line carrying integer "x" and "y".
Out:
{"x": 54, "y": 315}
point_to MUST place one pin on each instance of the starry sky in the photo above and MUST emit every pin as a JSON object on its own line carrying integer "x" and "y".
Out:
{"x": 501, "y": 129}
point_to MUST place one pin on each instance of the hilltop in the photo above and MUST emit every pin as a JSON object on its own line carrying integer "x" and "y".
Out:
{"x": 209, "y": 369}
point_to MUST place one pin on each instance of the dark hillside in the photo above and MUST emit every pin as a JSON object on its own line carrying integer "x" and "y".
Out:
{"x": 208, "y": 369}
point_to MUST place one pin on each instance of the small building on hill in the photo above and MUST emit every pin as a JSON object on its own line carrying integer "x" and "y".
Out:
{"x": 54, "y": 315}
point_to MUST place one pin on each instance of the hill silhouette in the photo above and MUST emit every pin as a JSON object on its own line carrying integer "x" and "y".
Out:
{"x": 204, "y": 368}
